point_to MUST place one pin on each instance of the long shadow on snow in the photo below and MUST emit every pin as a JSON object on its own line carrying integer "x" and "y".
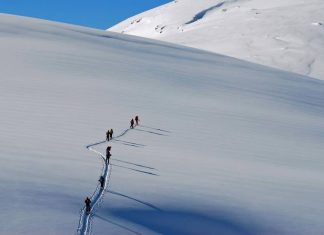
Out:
{"x": 136, "y": 200}
{"x": 114, "y": 138}
{"x": 118, "y": 225}
{"x": 185, "y": 222}
{"x": 151, "y": 132}
{"x": 128, "y": 143}
{"x": 134, "y": 164}
{"x": 129, "y": 168}
{"x": 153, "y": 128}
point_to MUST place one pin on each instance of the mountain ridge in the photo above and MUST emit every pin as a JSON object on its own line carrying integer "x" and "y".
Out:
{"x": 283, "y": 34}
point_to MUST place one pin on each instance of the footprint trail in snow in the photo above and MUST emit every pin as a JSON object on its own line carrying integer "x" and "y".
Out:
{"x": 84, "y": 227}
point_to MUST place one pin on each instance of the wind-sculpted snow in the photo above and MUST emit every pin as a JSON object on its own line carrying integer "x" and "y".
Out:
{"x": 201, "y": 14}
{"x": 243, "y": 29}
{"x": 224, "y": 146}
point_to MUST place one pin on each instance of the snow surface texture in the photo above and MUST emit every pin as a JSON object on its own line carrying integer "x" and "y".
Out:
{"x": 224, "y": 146}
{"x": 286, "y": 34}
{"x": 97, "y": 197}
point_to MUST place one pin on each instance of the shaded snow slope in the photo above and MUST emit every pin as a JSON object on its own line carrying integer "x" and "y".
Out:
{"x": 283, "y": 34}
{"x": 224, "y": 146}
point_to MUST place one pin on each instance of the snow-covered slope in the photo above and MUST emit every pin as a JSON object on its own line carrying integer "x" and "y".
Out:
{"x": 286, "y": 34}
{"x": 224, "y": 146}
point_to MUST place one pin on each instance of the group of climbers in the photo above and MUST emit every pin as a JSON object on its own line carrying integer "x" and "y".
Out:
{"x": 88, "y": 200}
{"x": 109, "y": 136}
{"x": 132, "y": 122}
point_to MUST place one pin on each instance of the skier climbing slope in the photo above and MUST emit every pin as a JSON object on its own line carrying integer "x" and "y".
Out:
{"x": 254, "y": 165}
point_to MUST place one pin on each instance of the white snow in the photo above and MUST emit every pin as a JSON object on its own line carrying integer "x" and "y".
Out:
{"x": 275, "y": 33}
{"x": 224, "y": 147}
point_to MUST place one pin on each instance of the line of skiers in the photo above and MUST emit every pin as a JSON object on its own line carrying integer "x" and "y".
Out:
{"x": 109, "y": 136}
{"x": 88, "y": 200}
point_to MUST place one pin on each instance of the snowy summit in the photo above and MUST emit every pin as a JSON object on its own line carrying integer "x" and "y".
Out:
{"x": 285, "y": 34}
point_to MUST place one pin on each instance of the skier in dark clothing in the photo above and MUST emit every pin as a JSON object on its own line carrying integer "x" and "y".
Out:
{"x": 136, "y": 120}
{"x": 107, "y": 135}
{"x": 132, "y": 123}
{"x": 88, "y": 204}
{"x": 111, "y": 132}
{"x": 108, "y": 154}
{"x": 102, "y": 181}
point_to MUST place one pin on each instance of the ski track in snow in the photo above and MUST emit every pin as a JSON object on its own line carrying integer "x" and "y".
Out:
{"x": 84, "y": 227}
{"x": 85, "y": 218}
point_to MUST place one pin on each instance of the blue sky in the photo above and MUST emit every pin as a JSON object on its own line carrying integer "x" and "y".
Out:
{"x": 93, "y": 13}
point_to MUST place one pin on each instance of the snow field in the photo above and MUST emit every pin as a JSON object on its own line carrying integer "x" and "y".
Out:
{"x": 239, "y": 150}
